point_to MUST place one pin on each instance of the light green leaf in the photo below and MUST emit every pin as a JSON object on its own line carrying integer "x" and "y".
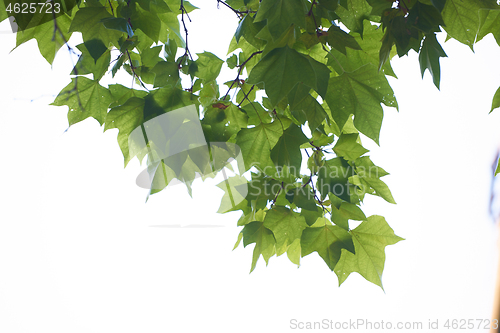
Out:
{"x": 256, "y": 232}
{"x": 328, "y": 241}
{"x": 167, "y": 74}
{"x": 360, "y": 93}
{"x": 44, "y": 35}
{"x": 126, "y": 118}
{"x": 88, "y": 21}
{"x": 209, "y": 66}
{"x": 256, "y": 144}
{"x": 85, "y": 98}
{"x": 286, "y": 226}
{"x": 348, "y": 147}
{"x": 461, "y": 18}
{"x": 280, "y": 14}
{"x": 354, "y": 14}
{"x": 370, "y": 239}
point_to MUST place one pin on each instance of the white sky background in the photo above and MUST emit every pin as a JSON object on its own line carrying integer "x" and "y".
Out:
{"x": 79, "y": 251}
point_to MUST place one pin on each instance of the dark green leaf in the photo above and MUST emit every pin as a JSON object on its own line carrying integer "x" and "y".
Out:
{"x": 429, "y": 56}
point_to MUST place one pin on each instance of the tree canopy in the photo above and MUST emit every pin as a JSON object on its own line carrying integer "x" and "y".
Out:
{"x": 309, "y": 83}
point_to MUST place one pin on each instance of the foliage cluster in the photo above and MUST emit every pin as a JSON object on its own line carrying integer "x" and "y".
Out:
{"x": 310, "y": 78}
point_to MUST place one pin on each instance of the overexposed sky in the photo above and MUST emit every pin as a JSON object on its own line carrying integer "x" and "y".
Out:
{"x": 81, "y": 251}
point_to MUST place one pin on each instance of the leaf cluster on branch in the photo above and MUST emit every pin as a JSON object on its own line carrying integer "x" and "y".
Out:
{"x": 309, "y": 79}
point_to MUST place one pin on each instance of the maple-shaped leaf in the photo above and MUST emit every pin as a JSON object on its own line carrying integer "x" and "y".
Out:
{"x": 354, "y": 14}
{"x": 328, "y": 241}
{"x": 282, "y": 68}
{"x": 256, "y": 232}
{"x": 248, "y": 29}
{"x": 85, "y": 98}
{"x": 489, "y": 24}
{"x": 87, "y": 64}
{"x": 348, "y": 147}
{"x": 370, "y": 239}
{"x": 369, "y": 53}
{"x": 88, "y": 21}
{"x": 360, "y": 93}
{"x": 280, "y": 14}
{"x": 126, "y": 118}
{"x": 121, "y": 94}
{"x": 287, "y": 227}
{"x": 256, "y": 144}
{"x": 209, "y": 66}
{"x": 287, "y": 150}
{"x": 342, "y": 211}
{"x": 48, "y": 42}
{"x": 429, "y": 56}
{"x": 461, "y": 19}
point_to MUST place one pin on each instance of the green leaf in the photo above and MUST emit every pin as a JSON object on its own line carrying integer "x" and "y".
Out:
{"x": 256, "y": 232}
{"x": 248, "y": 30}
{"x": 496, "y": 100}
{"x": 167, "y": 74}
{"x": 286, "y": 226}
{"x": 328, "y": 241}
{"x": 44, "y": 35}
{"x": 489, "y": 23}
{"x": 117, "y": 23}
{"x": 209, "y": 66}
{"x": 287, "y": 150}
{"x": 126, "y": 118}
{"x": 280, "y": 14}
{"x": 369, "y": 53}
{"x": 256, "y": 144}
{"x": 348, "y": 147}
{"x": 354, "y": 14}
{"x": 429, "y": 56}
{"x": 339, "y": 39}
{"x": 88, "y": 21}
{"x": 85, "y": 98}
{"x": 369, "y": 175}
{"x": 87, "y": 65}
{"x": 461, "y": 18}
{"x": 360, "y": 93}
{"x": 235, "y": 190}
{"x": 304, "y": 107}
{"x": 141, "y": 18}
{"x": 282, "y": 68}
{"x": 370, "y": 239}
{"x": 333, "y": 177}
